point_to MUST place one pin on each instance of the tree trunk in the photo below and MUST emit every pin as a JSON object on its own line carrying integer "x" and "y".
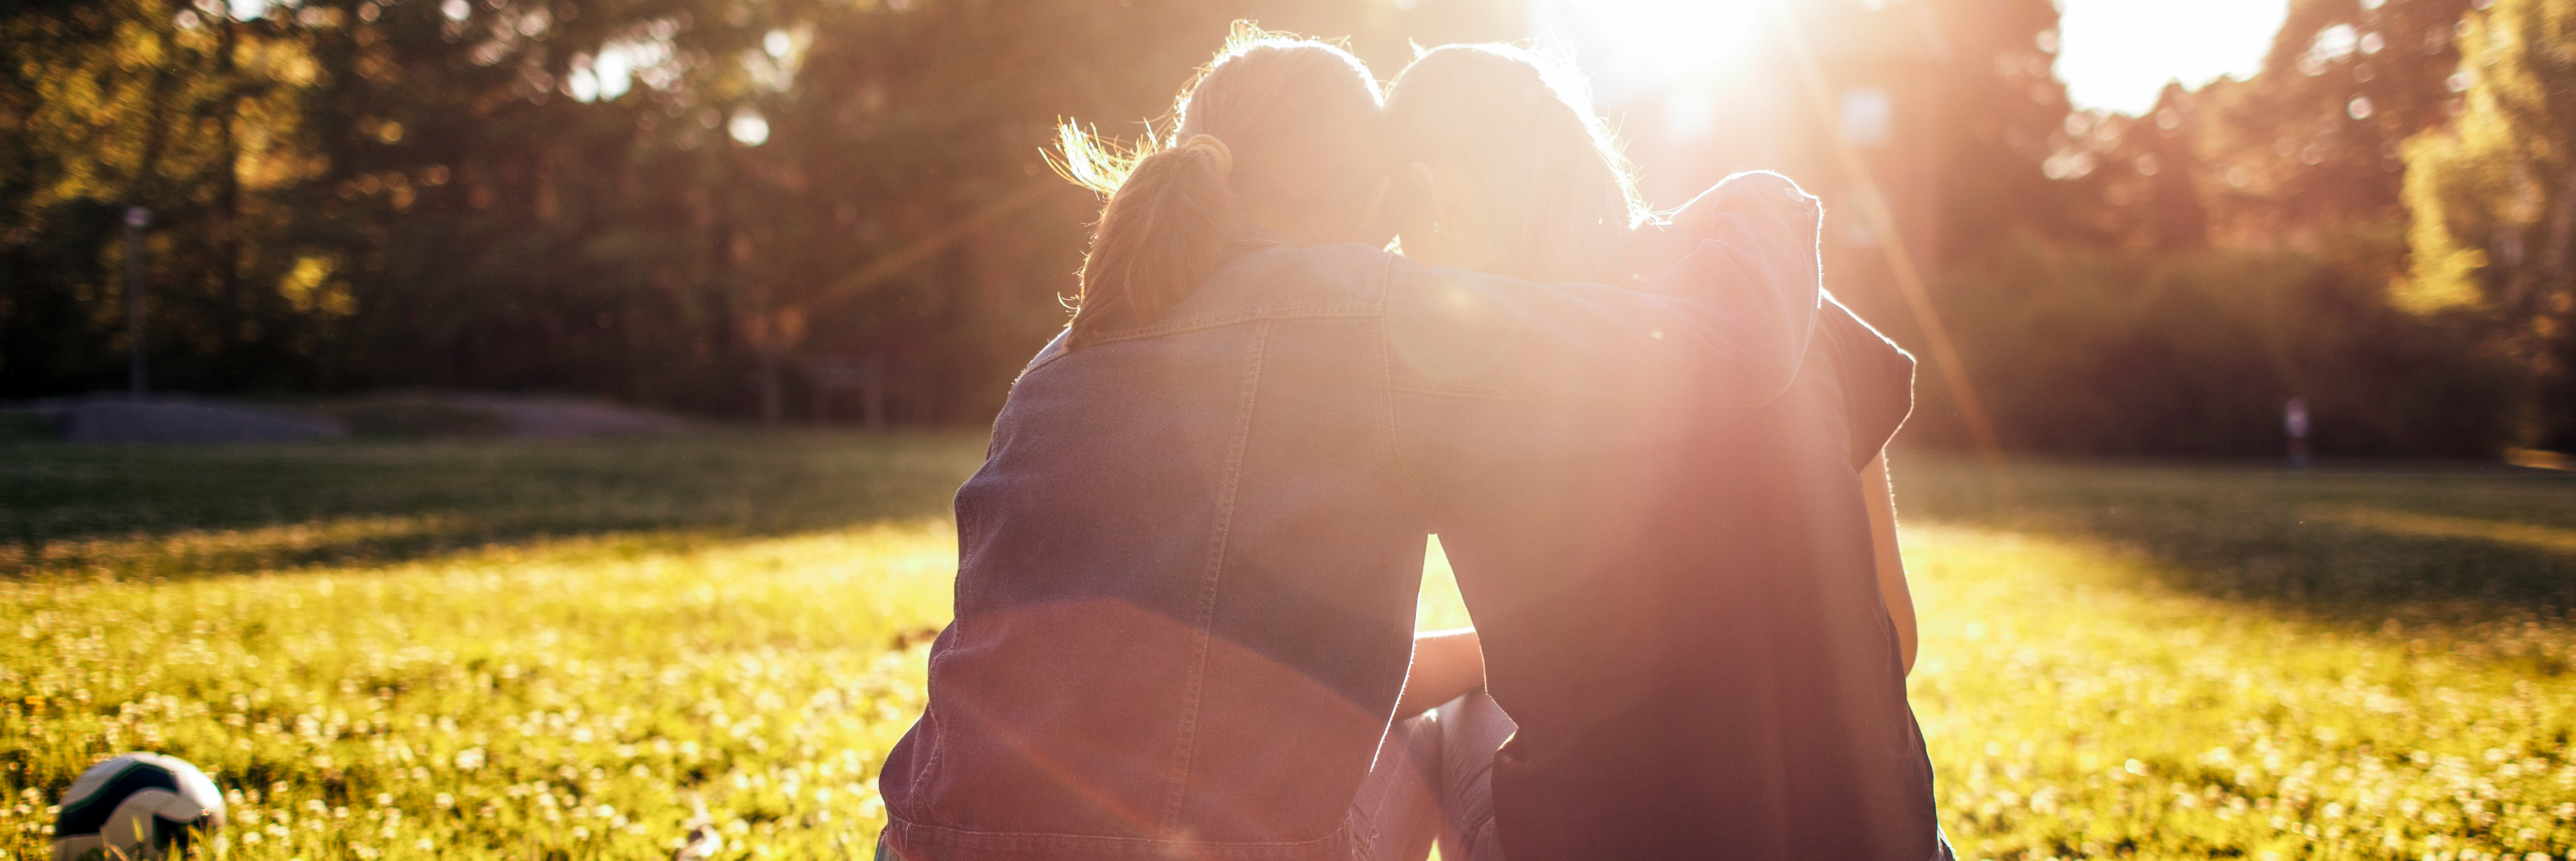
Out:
{"x": 226, "y": 226}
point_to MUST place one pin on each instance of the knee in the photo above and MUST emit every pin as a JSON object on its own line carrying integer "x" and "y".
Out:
{"x": 1476, "y": 719}
{"x": 1417, "y": 737}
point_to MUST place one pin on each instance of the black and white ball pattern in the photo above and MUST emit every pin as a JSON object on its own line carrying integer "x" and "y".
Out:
{"x": 140, "y": 806}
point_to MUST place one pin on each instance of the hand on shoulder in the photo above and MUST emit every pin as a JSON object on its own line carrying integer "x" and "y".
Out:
{"x": 1763, "y": 201}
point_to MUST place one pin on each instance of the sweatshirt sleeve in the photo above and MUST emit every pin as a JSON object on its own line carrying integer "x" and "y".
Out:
{"x": 1877, "y": 379}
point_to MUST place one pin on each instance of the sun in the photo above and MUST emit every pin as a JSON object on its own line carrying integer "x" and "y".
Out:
{"x": 1631, "y": 46}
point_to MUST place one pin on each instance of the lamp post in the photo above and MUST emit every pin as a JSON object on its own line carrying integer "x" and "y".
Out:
{"x": 136, "y": 369}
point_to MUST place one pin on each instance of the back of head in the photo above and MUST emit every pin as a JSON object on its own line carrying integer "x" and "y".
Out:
{"x": 1297, "y": 129}
{"x": 1549, "y": 178}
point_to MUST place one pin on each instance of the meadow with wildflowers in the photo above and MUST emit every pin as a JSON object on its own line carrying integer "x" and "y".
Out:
{"x": 478, "y": 651}
{"x": 421, "y": 649}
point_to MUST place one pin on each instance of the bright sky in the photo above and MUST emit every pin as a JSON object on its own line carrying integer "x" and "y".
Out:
{"x": 2118, "y": 54}
{"x": 2114, "y": 54}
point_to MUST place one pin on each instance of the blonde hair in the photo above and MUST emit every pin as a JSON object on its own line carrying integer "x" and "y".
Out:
{"x": 1298, "y": 123}
{"x": 1522, "y": 122}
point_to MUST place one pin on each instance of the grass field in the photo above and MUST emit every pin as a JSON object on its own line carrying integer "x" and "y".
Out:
{"x": 557, "y": 650}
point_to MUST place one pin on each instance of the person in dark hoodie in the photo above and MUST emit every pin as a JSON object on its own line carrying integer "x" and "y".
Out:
{"x": 1696, "y": 649}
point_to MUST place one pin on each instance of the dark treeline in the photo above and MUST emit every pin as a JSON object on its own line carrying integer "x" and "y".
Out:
{"x": 709, "y": 205}
{"x": 2178, "y": 276}
{"x": 682, "y": 203}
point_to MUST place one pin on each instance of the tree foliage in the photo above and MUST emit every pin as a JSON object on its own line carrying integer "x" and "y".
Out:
{"x": 2002, "y": 115}
{"x": 2231, "y": 248}
{"x": 184, "y": 111}
{"x": 2089, "y": 350}
{"x": 678, "y": 202}
{"x": 2313, "y": 141}
{"x": 2306, "y": 147}
{"x": 2494, "y": 195}
{"x": 709, "y": 204}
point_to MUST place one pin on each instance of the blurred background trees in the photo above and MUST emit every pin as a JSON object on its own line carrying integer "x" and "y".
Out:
{"x": 683, "y": 203}
{"x": 2494, "y": 199}
{"x": 2230, "y": 249}
{"x": 724, "y": 206}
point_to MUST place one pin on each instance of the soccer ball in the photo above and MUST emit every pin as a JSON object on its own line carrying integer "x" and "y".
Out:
{"x": 136, "y": 807}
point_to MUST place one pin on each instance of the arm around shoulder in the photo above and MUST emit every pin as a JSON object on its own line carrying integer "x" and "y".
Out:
{"x": 1481, "y": 361}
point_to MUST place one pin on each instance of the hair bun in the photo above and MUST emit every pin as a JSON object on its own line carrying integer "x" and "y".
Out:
{"x": 1216, "y": 149}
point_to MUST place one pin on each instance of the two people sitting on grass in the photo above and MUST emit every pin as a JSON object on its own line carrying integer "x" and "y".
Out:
{"x": 1188, "y": 568}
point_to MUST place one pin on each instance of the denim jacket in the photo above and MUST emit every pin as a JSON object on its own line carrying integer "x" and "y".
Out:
{"x": 1187, "y": 569}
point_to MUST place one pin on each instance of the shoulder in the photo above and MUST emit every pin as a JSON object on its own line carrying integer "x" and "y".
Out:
{"x": 1267, "y": 282}
{"x": 1758, "y": 195}
{"x": 1877, "y": 377}
{"x": 1407, "y": 278}
{"x": 1054, "y": 349}
{"x": 1764, "y": 183}
{"x": 1857, "y": 340}
{"x": 1280, "y": 277}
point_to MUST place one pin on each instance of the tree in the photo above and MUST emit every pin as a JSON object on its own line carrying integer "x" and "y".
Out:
{"x": 2494, "y": 196}
{"x": 159, "y": 104}
{"x": 2313, "y": 141}
{"x": 2305, "y": 148}
{"x": 683, "y": 203}
{"x": 2002, "y": 115}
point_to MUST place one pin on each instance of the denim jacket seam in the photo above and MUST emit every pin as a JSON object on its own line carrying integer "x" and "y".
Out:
{"x": 1394, "y": 424}
{"x": 965, "y": 515}
{"x": 1185, "y": 745}
{"x": 939, "y": 728}
{"x": 929, "y": 775}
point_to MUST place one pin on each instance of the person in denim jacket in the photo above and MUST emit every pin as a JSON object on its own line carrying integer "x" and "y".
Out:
{"x": 1188, "y": 568}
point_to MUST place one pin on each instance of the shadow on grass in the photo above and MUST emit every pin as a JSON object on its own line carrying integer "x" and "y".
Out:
{"x": 177, "y": 511}
{"x": 2352, "y": 545}
{"x": 2349, "y": 544}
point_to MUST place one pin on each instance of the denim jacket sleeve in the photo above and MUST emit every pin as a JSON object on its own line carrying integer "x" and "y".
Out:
{"x": 1485, "y": 371}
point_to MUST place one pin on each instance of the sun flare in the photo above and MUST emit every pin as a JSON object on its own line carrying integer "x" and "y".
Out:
{"x": 1631, "y": 45}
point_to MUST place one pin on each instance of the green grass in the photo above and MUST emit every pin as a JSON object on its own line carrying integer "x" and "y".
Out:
{"x": 149, "y": 512}
{"x": 485, "y": 649}
{"x": 437, "y": 649}
{"x": 2189, "y": 662}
